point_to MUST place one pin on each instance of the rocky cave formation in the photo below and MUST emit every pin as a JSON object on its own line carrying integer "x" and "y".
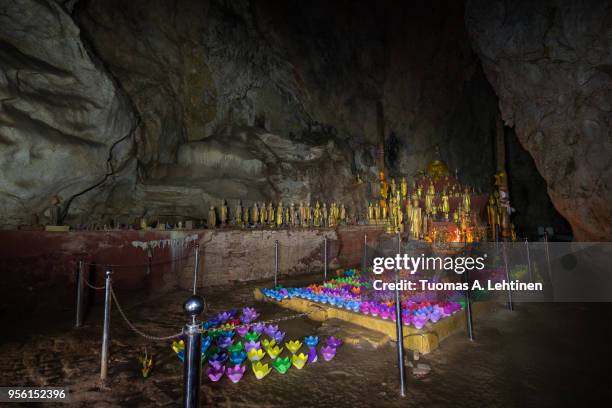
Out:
{"x": 162, "y": 109}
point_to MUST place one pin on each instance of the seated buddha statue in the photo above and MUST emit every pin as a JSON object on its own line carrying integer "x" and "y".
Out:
{"x": 437, "y": 168}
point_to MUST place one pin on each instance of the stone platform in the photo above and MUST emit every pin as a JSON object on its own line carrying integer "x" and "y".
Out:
{"x": 423, "y": 340}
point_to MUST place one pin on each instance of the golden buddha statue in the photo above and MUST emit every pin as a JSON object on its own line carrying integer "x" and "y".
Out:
{"x": 377, "y": 212}
{"x": 325, "y": 216}
{"x": 404, "y": 188}
{"x": 370, "y": 213}
{"x": 437, "y": 167}
{"x": 263, "y": 214}
{"x": 416, "y": 220}
{"x": 429, "y": 197}
{"x": 419, "y": 192}
{"x": 245, "y": 216}
{"x": 255, "y": 214}
{"x": 212, "y": 218}
{"x": 279, "y": 214}
{"x": 287, "y": 217}
{"x": 293, "y": 215}
{"x": 342, "y": 213}
{"x": 238, "y": 214}
{"x": 467, "y": 201}
{"x": 393, "y": 187}
{"x": 271, "y": 218}
{"x": 316, "y": 215}
{"x": 445, "y": 205}
{"x": 223, "y": 212}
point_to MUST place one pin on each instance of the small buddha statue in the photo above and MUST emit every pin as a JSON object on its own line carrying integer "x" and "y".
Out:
{"x": 255, "y": 214}
{"x": 279, "y": 215}
{"x": 293, "y": 215}
{"x": 263, "y": 215}
{"x": 55, "y": 211}
{"x": 445, "y": 207}
{"x": 316, "y": 215}
{"x": 302, "y": 212}
{"x": 467, "y": 202}
{"x": 370, "y": 212}
{"x": 325, "y": 216}
{"x": 238, "y": 213}
{"x": 245, "y": 217}
{"x": 342, "y": 213}
{"x": 287, "y": 217}
{"x": 377, "y": 213}
{"x": 224, "y": 213}
{"x": 212, "y": 218}
{"x": 404, "y": 188}
{"x": 393, "y": 187}
{"x": 271, "y": 217}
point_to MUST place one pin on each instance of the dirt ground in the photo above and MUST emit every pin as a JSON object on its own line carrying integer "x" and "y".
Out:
{"x": 540, "y": 355}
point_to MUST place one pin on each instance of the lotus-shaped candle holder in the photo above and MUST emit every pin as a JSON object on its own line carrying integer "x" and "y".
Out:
{"x": 258, "y": 328}
{"x": 293, "y": 346}
{"x": 279, "y": 336}
{"x": 228, "y": 334}
{"x": 251, "y": 336}
{"x": 215, "y": 374}
{"x": 248, "y": 346}
{"x": 419, "y": 320}
{"x": 178, "y": 346}
{"x": 265, "y": 343}
{"x": 328, "y": 352}
{"x": 282, "y": 364}
{"x": 235, "y": 347}
{"x": 274, "y": 352}
{"x": 255, "y": 354}
{"x": 299, "y": 360}
{"x": 333, "y": 342}
{"x": 235, "y": 373}
{"x": 270, "y": 330}
{"x": 312, "y": 355}
{"x": 224, "y": 342}
{"x": 311, "y": 341}
{"x": 261, "y": 370}
{"x": 242, "y": 330}
{"x": 216, "y": 364}
{"x": 237, "y": 357}
{"x": 217, "y": 357}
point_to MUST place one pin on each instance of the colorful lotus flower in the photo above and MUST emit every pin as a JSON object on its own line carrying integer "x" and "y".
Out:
{"x": 237, "y": 357}
{"x": 215, "y": 374}
{"x": 251, "y": 345}
{"x": 258, "y": 328}
{"x": 293, "y": 346}
{"x": 242, "y": 330}
{"x": 235, "y": 373}
{"x": 235, "y": 347}
{"x": 224, "y": 342}
{"x": 178, "y": 346}
{"x": 216, "y": 364}
{"x": 270, "y": 330}
{"x": 299, "y": 360}
{"x": 261, "y": 370}
{"x": 279, "y": 336}
{"x": 217, "y": 357}
{"x": 328, "y": 352}
{"x": 282, "y": 364}
{"x": 265, "y": 343}
{"x": 311, "y": 341}
{"x": 274, "y": 352}
{"x": 251, "y": 336}
{"x": 248, "y": 315}
{"x": 333, "y": 342}
{"x": 228, "y": 334}
{"x": 312, "y": 355}
{"x": 255, "y": 354}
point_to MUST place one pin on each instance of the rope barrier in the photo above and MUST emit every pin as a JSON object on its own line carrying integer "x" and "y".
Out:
{"x": 136, "y": 330}
{"x": 92, "y": 286}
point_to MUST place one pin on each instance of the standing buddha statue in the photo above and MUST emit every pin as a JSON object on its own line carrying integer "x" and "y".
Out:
{"x": 467, "y": 202}
{"x": 325, "y": 216}
{"x": 404, "y": 188}
{"x": 212, "y": 218}
{"x": 224, "y": 213}
{"x": 255, "y": 214}
{"x": 445, "y": 205}
{"x": 238, "y": 214}
{"x": 279, "y": 215}
{"x": 271, "y": 218}
{"x": 342, "y": 214}
{"x": 263, "y": 215}
{"x": 316, "y": 215}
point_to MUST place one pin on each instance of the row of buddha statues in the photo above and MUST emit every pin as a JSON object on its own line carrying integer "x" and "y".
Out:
{"x": 304, "y": 216}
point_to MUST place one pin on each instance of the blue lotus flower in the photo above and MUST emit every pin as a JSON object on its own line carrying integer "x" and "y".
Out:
{"x": 237, "y": 357}
{"x": 311, "y": 341}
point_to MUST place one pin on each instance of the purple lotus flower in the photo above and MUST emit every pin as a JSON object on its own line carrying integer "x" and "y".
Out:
{"x": 235, "y": 373}
{"x": 328, "y": 352}
{"x": 215, "y": 374}
{"x": 258, "y": 328}
{"x": 242, "y": 330}
{"x": 248, "y": 315}
{"x": 279, "y": 336}
{"x": 223, "y": 317}
{"x": 224, "y": 342}
{"x": 419, "y": 320}
{"x": 219, "y": 357}
{"x": 251, "y": 345}
{"x": 333, "y": 342}
{"x": 312, "y": 355}
{"x": 271, "y": 330}
{"x": 216, "y": 364}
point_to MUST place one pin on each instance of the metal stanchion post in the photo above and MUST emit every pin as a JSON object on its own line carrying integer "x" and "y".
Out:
{"x": 468, "y": 299}
{"x": 398, "y": 327}
{"x": 195, "y": 267}
{"x": 325, "y": 259}
{"x": 529, "y": 271}
{"x": 510, "y": 303}
{"x": 547, "y": 255}
{"x": 193, "y": 353}
{"x": 276, "y": 263}
{"x": 106, "y": 330}
{"x": 79, "y": 295}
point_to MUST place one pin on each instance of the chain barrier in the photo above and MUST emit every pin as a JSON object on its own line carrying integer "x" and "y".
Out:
{"x": 92, "y": 286}
{"x": 270, "y": 321}
{"x": 134, "y": 329}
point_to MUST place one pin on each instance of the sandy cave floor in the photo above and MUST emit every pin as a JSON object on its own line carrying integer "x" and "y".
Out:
{"x": 540, "y": 355}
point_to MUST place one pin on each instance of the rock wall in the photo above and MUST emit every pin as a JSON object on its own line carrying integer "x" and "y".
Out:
{"x": 64, "y": 124}
{"x": 278, "y": 100}
{"x": 549, "y": 63}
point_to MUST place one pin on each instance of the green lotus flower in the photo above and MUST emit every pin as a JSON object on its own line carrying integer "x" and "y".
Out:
{"x": 281, "y": 364}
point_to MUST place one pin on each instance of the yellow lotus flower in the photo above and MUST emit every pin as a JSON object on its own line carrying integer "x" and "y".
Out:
{"x": 268, "y": 343}
{"x": 293, "y": 346}
{"x": 178, "y": 346}
{"x": 261, "y": 370}
{"x": 299, "y": 360}
{"x": 274, "y": 352}
{"x": 255, "y": 354}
